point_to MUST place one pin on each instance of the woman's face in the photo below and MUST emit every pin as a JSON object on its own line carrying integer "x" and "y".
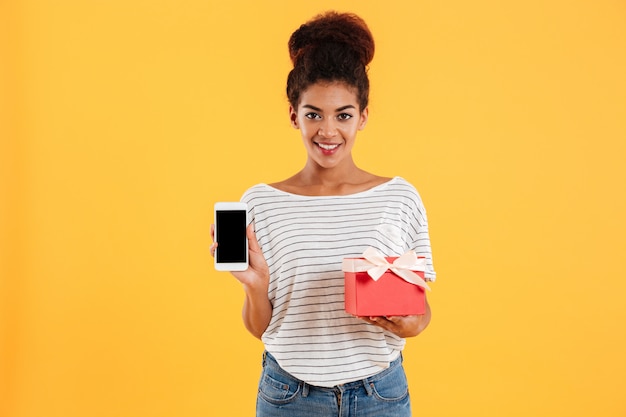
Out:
{"x": 328, "y": 118}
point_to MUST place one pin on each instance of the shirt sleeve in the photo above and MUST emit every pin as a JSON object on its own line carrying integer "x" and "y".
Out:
{"x": 421, "y": 238}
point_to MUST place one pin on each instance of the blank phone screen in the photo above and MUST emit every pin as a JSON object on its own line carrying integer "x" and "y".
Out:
{"x": 231, "y": 236}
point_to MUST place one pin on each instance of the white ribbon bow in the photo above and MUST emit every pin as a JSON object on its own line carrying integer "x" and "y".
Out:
{"x": 402, "y": 267}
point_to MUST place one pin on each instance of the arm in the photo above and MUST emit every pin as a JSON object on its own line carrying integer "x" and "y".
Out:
{"x": 256, "y": 312}
{"x": 403, "y": 326}
{"x": 257, "y": 309}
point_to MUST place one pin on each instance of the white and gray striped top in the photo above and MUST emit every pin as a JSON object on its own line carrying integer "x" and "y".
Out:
{"x": 304, "y": 239}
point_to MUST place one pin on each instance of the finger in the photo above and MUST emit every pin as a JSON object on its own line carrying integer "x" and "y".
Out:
{"x": 376, "y": 321}
{"x": 253, "y": 243}
{"x": 380, "y": 319}
{"x": 213, "y": 231}
{"x": 381, "y": 322}
{"x": 212, "y": 248}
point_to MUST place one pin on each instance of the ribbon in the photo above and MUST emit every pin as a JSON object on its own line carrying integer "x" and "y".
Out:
{"x": 375, "y": 264}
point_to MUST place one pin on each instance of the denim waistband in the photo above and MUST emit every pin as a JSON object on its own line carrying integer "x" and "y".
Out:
{"x": 270, "y": 361}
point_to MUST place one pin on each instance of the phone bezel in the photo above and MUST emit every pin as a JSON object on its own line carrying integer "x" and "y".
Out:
{"x": 229, "y": 206}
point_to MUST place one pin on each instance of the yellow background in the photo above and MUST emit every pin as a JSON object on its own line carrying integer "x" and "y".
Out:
{"x": 123, "y": 121}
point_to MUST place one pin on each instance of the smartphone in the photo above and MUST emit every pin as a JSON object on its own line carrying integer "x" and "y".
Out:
{"x": 231, "y": 220}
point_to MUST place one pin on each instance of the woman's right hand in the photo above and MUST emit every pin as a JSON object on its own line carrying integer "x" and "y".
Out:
{"x": 257, "y": 309}
{"x": 256, "y": 277}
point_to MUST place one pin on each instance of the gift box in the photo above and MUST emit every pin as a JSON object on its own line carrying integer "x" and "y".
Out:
{"x": 376, "y": 285}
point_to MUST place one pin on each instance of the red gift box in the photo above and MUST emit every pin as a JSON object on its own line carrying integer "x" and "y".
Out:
{"x": 384, "y": 286}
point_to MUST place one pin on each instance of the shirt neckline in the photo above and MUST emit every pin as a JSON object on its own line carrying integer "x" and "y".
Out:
{"x": 359, "y": 193}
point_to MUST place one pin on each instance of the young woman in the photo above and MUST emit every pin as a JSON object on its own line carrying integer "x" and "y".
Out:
{"x": 319, "y": 360}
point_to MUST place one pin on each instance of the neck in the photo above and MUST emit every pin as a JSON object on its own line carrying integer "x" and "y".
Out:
{"x": 313, "y": 174}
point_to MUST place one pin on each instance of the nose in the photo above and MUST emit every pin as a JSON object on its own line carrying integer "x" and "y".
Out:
{"x": 327, "y": 129}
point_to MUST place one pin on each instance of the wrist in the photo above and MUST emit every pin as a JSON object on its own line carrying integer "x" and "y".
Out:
{"x": 256, "y": 289}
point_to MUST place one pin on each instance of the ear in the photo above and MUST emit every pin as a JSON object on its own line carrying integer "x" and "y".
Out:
{"x": 293, "y": 117}
{"x": 364, "y": 116}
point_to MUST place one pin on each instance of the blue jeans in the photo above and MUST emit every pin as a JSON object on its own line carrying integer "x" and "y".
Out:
{"x": 384, "y": 394}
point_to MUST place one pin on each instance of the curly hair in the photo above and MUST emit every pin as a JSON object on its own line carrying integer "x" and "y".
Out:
{"x": 330, "y": 47}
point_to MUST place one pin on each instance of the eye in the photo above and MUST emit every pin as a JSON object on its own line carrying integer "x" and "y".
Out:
{"x": 313, "y": 116}
{"x": 344, "y": 116}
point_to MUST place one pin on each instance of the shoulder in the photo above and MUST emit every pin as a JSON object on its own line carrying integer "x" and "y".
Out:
{"x": 402, "y": 190}
{"x": 256, "y": 188}
{"x": 400, "y": 185}
{"x": 288, "y": 186}
{"x": 408, "y": 192}
{"x": 258, "y": 192}
{"x": 402, "y": 182}
{"x": 375, "y": 180}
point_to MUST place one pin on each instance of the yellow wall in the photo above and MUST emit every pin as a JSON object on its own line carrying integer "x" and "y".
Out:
{"x": 123, "y": 121}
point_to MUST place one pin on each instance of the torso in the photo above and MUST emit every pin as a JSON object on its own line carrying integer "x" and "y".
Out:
{"x": 304, "y": 239}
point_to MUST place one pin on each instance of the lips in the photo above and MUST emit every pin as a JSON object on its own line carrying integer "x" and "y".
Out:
{"x": 328, "y": 146}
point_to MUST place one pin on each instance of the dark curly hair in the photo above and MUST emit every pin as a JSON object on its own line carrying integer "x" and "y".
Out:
{"x": 330, "y": 47}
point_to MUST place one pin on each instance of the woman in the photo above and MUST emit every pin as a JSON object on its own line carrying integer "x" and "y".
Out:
{"x": 319, "y": 360}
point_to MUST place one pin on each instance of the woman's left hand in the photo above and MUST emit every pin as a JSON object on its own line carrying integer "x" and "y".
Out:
{"x": 402, "y": 326}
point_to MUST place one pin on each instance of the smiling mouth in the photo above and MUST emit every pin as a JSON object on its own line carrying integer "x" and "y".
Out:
{"x": 328, "y": 147}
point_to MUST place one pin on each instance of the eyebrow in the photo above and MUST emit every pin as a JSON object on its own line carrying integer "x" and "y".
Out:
{"x": 342, "y": 108}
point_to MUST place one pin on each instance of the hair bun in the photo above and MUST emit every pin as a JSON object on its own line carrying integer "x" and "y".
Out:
{"x": 332, "y": 28}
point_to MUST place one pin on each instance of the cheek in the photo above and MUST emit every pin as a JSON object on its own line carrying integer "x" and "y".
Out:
{"x": 307, "y": 130}
{"x": 311, "y": 127}
{"x": 349, "y": 131}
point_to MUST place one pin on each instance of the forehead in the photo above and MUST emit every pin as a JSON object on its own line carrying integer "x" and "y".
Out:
{"x": 329, "y": 95}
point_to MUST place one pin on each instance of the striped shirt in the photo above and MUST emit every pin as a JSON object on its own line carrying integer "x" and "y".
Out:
{"x": 304, "y": 239}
